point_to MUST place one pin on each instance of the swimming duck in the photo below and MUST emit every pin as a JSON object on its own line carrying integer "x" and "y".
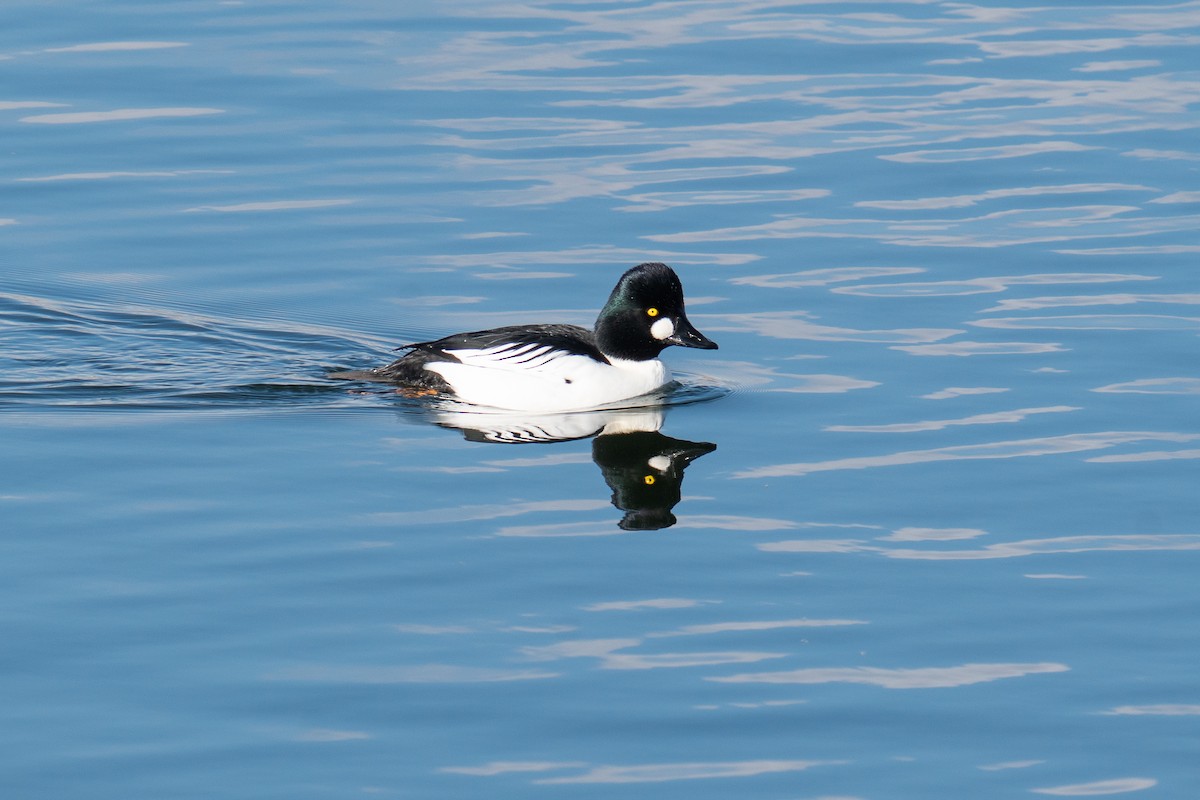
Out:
{"x": 554, "y": 367}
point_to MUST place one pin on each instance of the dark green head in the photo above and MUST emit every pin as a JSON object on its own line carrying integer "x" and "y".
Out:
{"x": 644, "y": 314}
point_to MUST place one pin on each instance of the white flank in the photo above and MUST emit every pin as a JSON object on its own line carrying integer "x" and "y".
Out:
{"x": 536, "y": 378}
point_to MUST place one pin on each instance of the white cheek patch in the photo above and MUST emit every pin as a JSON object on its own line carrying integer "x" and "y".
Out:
{"x": 662, "y": 329}
{"x": 659, "y": 463}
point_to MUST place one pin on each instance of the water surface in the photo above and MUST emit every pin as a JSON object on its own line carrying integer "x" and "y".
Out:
{"x": 928, "y": 532}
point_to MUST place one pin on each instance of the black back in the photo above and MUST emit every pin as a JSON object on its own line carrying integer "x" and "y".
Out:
{"x": 409, "y": 370}
{"x": 567, "y": 338}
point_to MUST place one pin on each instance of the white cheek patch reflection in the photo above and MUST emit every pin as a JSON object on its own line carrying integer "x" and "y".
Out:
{"x": 662, "y": 329}
{"x": 659, "y": 463}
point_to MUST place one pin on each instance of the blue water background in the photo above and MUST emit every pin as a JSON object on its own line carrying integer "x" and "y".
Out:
{"x": 945, "y": 546}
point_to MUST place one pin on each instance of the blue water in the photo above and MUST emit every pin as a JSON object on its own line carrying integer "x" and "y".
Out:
{"x": 929, "y": 525}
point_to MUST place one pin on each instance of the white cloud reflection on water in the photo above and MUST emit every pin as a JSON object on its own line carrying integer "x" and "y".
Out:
{"x": 968, "y": 200}
{"x": 1134, "y": 250}
{"x": 277, "y": 205}
{"x": 615, "y": 653}
{"x": 991, "y": 418}
{"x": 1017, "y": 549}
{"x": 950, "y": 156}
{"x": 754, "y": 625}
{"x": 659, "y": 201}
{"x": 1037, "y": 303}
{"x": 118, "y": 174}
{"x": 820, "y": 277}
{"x": 466, "y": 513}
{"x": 1099, "y": 788}
{"x": 984, "y": 285}
{"x": 1104, "y": 322}
{"x": 506, "y": 767}
{"x": 951, "y": 392}
{"x": 639, "y": 773}
{"x": 1179, "y": 385}
{"x": 118, "y": 115}
{"x": 745, "y": 375}
{"x": 1014, "y": 448}
{"x": 802, "y": 325}
{"x": 658, "y": 773}
{"x": 609, "y": 654}
{"x": 932, "y": 534}
{"x": 599, "y": 254}
{"x": 1153, "y": 455}
{"x": 652, "y": 603}
{"x": 964, "y": 348}
{"x": 1157, "y": 710}
{"x": 912, "y": 678}
{"x": 109, "y": 47}
{"x": 405, "y": 673}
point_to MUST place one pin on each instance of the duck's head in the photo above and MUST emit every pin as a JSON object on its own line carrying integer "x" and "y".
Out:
{"x": 644, "y": 314}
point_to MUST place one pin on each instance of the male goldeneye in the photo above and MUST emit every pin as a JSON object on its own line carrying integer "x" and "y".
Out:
{"x": 558, "y": 367}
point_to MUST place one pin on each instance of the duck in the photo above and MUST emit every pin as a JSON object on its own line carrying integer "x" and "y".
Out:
{"x": 557, "y": 367}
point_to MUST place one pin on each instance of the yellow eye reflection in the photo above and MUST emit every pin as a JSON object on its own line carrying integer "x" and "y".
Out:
{"x": 649, "y": 479}
{"x": 652, "y": 312}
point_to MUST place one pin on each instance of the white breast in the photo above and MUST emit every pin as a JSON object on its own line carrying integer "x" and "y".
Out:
{"x": 540, "y": 378}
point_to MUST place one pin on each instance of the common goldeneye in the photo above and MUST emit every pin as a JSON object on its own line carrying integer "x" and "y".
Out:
{"x": 547, "y": 368}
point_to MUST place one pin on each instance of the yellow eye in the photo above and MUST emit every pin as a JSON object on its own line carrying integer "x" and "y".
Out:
{"x": 649, "y": 479}
{"x": 652, "y": 312}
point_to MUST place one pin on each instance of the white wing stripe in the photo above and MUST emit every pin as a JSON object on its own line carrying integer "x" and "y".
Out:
{"x": 526, "y": 358}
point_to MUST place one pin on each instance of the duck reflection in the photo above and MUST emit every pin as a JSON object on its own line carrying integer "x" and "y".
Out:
{"x": 641, "y": 465}
{"x": 644, "y": 469}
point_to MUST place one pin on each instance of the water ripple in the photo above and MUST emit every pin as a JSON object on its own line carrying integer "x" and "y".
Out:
{"x": 82, "y": 354}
